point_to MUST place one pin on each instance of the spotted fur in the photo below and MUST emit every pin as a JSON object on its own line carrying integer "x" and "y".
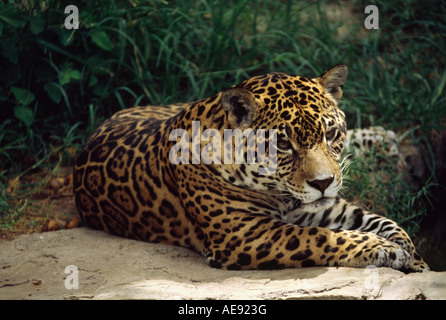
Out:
{"x": 126, "y": 184}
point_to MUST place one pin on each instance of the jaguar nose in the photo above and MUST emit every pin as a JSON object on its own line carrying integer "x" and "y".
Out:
{"x": 321, "y": 185}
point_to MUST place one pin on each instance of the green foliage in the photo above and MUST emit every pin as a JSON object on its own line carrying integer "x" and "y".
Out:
{"x": 401, "y": 82}
{"x": 374, "y": 181}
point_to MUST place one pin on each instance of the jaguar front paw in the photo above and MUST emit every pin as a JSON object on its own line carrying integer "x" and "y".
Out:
{"x": 390, "y": 256}
{"x": 417, "y": 264}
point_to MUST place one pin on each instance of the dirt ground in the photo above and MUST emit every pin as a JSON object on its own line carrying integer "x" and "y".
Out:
{"x": 42, "y": 201}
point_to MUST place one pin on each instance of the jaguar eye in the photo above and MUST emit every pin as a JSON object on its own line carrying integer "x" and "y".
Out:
{"x": 330, "y": 134}
{"x": 284, "y": 144}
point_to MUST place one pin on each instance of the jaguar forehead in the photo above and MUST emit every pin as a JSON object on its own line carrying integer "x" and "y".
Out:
{"x": 293, "y": 100}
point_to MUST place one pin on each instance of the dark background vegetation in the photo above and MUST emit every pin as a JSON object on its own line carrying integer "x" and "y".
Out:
{"x": 57, "y": 85}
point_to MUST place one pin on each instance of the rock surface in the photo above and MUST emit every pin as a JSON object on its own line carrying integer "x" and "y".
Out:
{"x": 33, "y": 267}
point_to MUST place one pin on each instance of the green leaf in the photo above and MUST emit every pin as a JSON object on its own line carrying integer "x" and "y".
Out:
{"x": 66, "y": 37}
{"x": 11, "y": 15}
{"x": 24, "y": 114}
{"x": 23, "y": 96}
{"x": 75, "y": 74}
{"x": 93, "y": 80}
{"x": 37, "y": 25}
{"x": 101, "y": 39}
{"x": 64, "y": 76}
{"x": 53, "y": 91}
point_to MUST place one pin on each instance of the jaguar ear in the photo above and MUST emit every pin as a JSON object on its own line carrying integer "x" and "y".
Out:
{"x": 334, "y": 79}
{"x": 240, "y": 106}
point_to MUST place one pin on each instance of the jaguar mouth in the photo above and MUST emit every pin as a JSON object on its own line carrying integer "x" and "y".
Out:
{"x": 320, "y": 204}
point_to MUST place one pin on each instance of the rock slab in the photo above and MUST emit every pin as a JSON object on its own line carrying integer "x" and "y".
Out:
{"x": 86, "y": 264}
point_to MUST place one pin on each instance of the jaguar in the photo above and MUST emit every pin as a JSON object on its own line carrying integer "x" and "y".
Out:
{"x": 233, "y": 213}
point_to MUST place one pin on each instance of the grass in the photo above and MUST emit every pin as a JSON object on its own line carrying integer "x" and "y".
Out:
{"x": 57, "y": 85}
{"x": 373, "y": 182}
